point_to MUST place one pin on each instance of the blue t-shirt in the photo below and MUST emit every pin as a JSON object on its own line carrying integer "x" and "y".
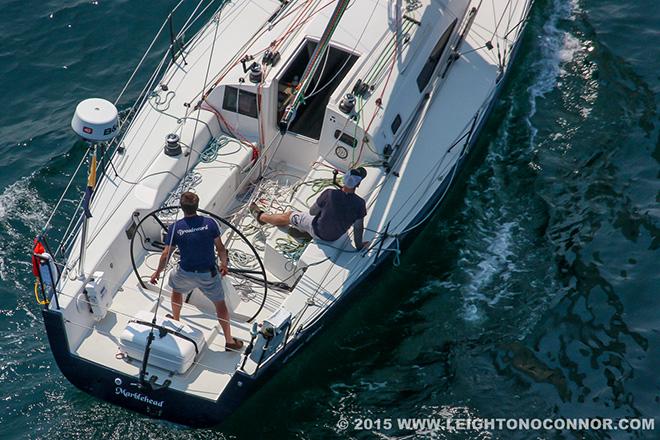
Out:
{"x": 194, "y": 236}
{"x": 339, "y": 210}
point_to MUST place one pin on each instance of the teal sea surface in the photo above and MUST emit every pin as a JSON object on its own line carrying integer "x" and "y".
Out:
{"x": 533, "y": 293}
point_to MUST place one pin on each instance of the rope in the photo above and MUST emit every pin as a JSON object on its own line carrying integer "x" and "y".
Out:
{"x": 242, "y": 260}
{"x": 40, "y": 301}
{"x": 189, "y": 181}
{"x": 317, "y": 186}
{"x": 290, "y": 248}
{"x": 150, "y": 338}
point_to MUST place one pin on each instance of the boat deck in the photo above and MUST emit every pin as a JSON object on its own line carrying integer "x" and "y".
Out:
{"x": 214, "y": 366}
{"x": 212, "y": 369}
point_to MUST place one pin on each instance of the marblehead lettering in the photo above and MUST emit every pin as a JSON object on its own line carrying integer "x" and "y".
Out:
{"x": 138, "y": 396}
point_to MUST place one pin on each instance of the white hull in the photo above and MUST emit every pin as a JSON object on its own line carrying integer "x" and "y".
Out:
{"x": 438, "y": 119}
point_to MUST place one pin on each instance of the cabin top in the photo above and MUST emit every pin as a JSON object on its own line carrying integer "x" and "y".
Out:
{"x": 388, "y": 67}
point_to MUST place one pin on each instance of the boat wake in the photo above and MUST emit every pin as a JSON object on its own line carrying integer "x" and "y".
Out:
{"x": 22, "y": 212}
{"x": 504, "y": 232}
{"x": 496, "y": 262}
{"x": 557, "y": 47}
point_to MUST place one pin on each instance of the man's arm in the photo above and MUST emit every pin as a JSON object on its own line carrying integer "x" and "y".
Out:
{"x": 222, "y": 253}
{"x": 358, "y": 230}
{"x": 164, "y": 258}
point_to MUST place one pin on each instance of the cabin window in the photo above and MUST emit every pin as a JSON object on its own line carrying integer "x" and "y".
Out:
{"x": 396, "y": 124}
{"x": 333, "y": 67}
{"x": 346, "y": 139}
{"x": 240, "y": 101}
{"x": 432, "y": 62}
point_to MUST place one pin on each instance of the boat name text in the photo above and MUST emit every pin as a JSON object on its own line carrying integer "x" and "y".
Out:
{"x": 139, "y": 396}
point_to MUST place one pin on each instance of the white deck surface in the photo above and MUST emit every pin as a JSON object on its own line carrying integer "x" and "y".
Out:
{"x": 212, "y": 369}
{"x": 425, "y": 159}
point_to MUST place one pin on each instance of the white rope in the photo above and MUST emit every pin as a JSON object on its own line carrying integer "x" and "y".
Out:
{"x": 275, "y": 203}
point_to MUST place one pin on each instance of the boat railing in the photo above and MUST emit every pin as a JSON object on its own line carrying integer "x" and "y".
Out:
{"x": 171, "y": 54}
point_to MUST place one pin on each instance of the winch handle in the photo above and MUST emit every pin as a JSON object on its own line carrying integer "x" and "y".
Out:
{"x": 335, "y": 172}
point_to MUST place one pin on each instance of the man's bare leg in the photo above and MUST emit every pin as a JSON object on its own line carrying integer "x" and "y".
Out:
{"x": 223, "y": 316}
{"x": 177, "y": 301}
{"x": 276, "y": 219}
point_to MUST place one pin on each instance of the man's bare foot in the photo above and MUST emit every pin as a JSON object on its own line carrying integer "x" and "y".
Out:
{"x": 256, "y": 212}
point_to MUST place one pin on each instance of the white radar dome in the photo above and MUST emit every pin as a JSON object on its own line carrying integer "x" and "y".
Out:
{"x": 95, "y": 120}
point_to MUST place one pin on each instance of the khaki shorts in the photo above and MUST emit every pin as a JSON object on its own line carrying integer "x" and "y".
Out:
{"x": 182, "y": 281}
{"x": 302, "y": 221}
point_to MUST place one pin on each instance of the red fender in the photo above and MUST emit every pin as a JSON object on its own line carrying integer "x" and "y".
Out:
{"x": 38, "y": 249}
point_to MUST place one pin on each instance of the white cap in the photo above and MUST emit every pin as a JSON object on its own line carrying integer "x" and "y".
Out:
{"x": 352, "y": 180}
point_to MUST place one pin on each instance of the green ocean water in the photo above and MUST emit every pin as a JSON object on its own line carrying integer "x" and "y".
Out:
{"x": 532, "y": 293}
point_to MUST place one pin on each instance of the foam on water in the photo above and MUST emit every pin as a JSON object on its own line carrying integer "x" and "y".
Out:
{"x": 21, "y": 201}
{"x": 495, "y": 261}
{"x": 494, "y": 264}
{"x": 482, "y": 260}
{"x": 557, "y": 47}
{"x": 22, "y": 213}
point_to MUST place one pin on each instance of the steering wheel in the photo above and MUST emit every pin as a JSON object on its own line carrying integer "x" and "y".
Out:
{"x": 256, "y": 276}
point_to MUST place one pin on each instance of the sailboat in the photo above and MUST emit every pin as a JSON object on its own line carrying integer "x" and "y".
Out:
{"x": 270, "y": 103}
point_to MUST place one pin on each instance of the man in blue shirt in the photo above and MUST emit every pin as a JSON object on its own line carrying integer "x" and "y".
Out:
{"x": 331, "y": 216}
{"x": 196, "y": 236}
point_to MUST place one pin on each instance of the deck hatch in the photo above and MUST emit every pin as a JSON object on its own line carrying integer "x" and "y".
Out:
{"x": 335, "y": 65}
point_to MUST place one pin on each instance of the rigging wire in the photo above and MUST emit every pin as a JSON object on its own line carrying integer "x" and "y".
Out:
{"x": 66, "y": 189}
{"x": 150, "y": 338}
{"x": 330, "y": 81}
{"x": 408, "y": 229}
{"x": 144, "y": 57}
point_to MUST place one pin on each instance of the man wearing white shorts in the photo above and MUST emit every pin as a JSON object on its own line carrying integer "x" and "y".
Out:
{"x": 197, "y": 238}
{"x": 302, "y": 221}
{"x": 331, "y": 216}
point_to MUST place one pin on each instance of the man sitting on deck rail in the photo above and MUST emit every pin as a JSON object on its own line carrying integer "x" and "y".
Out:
{"x": 195, "y": 236}
{"x": 330, "y": 216}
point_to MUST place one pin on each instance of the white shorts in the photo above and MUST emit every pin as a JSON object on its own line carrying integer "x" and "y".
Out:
{"x": 182, "y": 281}
{"x": 302, "y": 221}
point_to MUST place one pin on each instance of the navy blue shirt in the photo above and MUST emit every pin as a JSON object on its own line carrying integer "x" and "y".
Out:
{"x": 339, "y": 210}
{"x": 194, "y": 236}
